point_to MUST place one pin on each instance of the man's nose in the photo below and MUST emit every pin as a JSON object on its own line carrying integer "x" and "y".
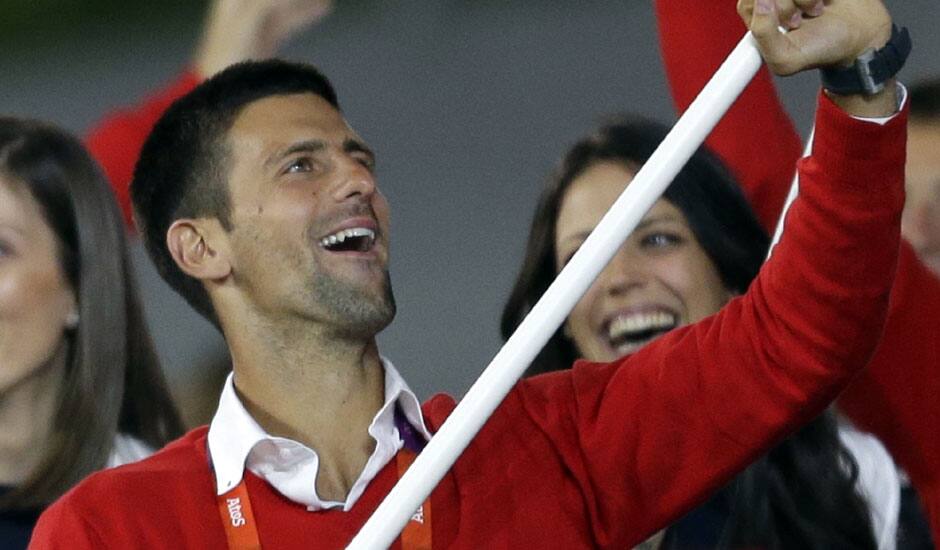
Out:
{"x": 355, "y": 180}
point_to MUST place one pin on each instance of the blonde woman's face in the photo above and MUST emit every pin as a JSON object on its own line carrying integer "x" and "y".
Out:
{"x": 661, "y": 277}
{"x": 35, "y": 298}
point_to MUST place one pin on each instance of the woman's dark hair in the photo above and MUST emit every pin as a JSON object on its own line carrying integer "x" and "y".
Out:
{"x": 113, "y": 382}
{"x": 802, "y": 493}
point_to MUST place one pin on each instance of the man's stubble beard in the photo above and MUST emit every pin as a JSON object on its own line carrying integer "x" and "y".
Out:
{"x": 357, "y": 314}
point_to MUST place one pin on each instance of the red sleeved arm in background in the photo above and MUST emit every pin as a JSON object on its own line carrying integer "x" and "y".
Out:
{"x": 116, "y": 141}
{"x": 756, "y": 139}
{"x": 897, "y": 398}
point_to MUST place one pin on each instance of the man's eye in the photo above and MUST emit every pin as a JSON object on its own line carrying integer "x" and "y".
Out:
{"x": 367, "y": 161}
{"x": 298, "y": 166}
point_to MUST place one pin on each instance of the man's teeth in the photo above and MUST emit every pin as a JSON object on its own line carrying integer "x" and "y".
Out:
{"x": 627, "y": 325}
{"x": 341, "y": 236}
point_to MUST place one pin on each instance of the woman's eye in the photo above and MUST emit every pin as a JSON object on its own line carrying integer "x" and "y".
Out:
{"x": 660, "y": 240}
{"x": 566, "y": 255}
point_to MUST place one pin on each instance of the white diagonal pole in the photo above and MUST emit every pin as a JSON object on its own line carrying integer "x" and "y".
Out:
{"x": 791, "y": 196}
{"x": 381, "y": 530}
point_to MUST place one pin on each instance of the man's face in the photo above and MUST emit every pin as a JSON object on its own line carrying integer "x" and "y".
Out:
{"x": 921, "y": 220}
{"x": 310, "y": 229}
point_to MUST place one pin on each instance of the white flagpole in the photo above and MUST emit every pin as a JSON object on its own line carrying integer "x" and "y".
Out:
{"x": 381, "y": 530}
{"x": 791, "y": 196}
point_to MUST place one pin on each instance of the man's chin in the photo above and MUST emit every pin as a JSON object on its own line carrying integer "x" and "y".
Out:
{"x": 361, "y": 308}
{"x": 365, "y": 323}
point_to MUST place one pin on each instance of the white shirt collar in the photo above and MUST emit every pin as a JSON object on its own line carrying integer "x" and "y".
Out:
{"x": 236, "y": 441}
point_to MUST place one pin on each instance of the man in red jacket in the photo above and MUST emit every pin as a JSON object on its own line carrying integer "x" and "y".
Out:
{"x": 258, "y": 203}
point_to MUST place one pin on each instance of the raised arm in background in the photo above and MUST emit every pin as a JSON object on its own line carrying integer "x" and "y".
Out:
{"x": 896, "y": 397}
{"x": 235, "y": 30}
{"x": 695, "y": 37}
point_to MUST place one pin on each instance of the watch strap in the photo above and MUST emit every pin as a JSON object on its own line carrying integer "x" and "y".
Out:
{"x": 872, "y": 69}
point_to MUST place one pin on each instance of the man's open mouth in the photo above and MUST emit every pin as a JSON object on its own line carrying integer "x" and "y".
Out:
{"x": 353, "y": 239}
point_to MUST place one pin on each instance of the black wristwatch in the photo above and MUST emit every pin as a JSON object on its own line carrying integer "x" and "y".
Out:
{"x": 867, "y": 76}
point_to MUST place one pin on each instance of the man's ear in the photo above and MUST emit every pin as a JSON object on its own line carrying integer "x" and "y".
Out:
{"x": 199, "y": 247}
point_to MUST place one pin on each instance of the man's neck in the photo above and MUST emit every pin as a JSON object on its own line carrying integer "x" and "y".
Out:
{"x": 299, "y": 390}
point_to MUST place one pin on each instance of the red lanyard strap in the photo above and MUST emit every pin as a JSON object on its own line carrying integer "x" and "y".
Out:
{"x": 238, "y": 519}
{"x": 417, "y": 533}
{"x": 241, "y": 530}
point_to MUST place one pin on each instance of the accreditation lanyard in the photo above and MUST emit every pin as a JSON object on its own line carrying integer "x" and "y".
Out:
{"x": 241, "y": 530}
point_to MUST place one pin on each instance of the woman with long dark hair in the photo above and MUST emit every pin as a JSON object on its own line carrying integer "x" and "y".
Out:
{"x": 80, "y": 384}
{"x": 697, "y": 247}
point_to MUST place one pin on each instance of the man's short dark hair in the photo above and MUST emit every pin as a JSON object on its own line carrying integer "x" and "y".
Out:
{"x": 925, "y": 100}
{"x": 182, "y": 171}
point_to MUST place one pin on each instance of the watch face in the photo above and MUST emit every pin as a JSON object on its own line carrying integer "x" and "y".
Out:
{"x": 866, "y": 73}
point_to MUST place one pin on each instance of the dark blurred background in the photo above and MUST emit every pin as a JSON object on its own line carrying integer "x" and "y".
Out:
{"x": 468, "y": 104}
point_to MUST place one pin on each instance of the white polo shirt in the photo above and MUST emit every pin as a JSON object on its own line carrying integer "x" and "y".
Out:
{"x": 237, "y": 442}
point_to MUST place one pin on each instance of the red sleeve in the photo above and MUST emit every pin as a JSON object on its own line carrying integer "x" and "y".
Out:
{"x": 650, "y": 437}
{"x": 695, "y": 37}
{"x": 61, "y": 527}
{"x": 897, "y": 397}
{"x": 116, "y": 141}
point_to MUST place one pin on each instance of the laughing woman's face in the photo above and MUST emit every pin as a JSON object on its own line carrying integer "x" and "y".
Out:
{"x": 661, "y": 278}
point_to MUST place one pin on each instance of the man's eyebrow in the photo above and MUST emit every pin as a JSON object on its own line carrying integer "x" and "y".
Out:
{"x": 355, "y": 146}
{"x": 305, "y": 146}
